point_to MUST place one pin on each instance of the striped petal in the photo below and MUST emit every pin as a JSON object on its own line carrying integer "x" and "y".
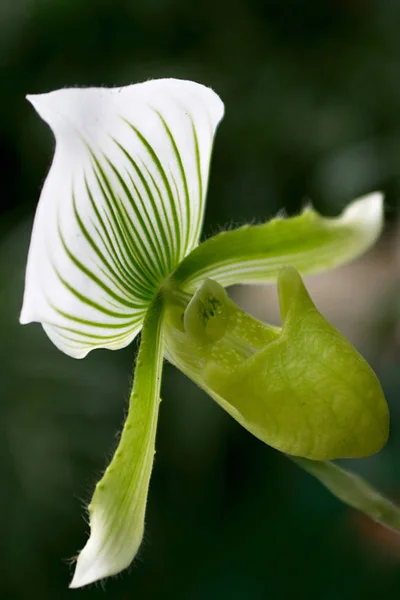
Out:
{"x": 123, "y": 203}
{"x": 310, "y": 243}
{"x": 119, "y": 501}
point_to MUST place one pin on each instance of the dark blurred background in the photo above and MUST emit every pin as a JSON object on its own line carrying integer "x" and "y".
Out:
{"x": 312, "y": 94}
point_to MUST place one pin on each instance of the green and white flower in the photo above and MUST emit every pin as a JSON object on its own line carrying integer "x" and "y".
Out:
{"x": 114, "y": 252}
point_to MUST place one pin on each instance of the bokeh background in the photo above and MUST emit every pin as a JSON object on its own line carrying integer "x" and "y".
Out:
{"x": 312, "y": 93}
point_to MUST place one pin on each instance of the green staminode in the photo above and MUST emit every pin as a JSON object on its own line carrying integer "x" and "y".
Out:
{"x": 115, "y": 251}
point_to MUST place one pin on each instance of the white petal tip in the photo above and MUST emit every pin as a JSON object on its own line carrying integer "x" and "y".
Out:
{"x": 89, "y": 568}
{"x": 23, "y": 320}
{"x": 367, "y": 208}
{"x": 85, "y": 576}
{"x": 25, "y": 317}
{"x": 93, "y": 565}
{"x": 34, "y": 99}
{"x": 42, "y": 104}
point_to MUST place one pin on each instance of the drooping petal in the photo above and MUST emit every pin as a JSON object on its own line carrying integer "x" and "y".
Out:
{"x": 122, "y": 204}
{"x": 118, "y": 504}
{"x": 354, "y": 491}
{"x": 310, "y": 243}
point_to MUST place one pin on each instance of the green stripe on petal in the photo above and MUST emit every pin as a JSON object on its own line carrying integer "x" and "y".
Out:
{"x": 118, "y": 505}
{"x": 120, "y": 208}
{"x": 309, "y": 242}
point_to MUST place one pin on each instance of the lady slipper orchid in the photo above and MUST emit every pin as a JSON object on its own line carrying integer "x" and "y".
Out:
{"x": 114, "y": 251}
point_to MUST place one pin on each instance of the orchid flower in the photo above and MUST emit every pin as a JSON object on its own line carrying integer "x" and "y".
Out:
{"x": 115, "y": 251}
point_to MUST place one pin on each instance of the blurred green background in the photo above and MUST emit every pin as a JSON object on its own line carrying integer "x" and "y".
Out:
{"x": 312, "y": 94}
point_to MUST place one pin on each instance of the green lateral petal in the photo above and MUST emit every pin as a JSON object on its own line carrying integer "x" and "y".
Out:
{"x": 122, "y": 204}
{"x": 118, "y": 505}
{"x": 354, "y": 491}
{"x": 310, "y": 243}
